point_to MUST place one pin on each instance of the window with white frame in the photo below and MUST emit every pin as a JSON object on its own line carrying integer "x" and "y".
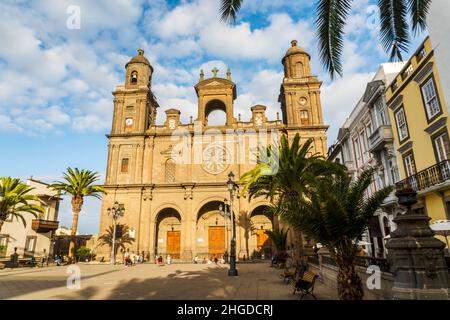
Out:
{"x": 380, "y": 109}
{"x": 402, "y": 126}
{"x": 363, "y": 144}
{"x": 410, "y": 165}
{"x": 369, "y": 128}
{"x": 441, "y": 145}
{"x": 431, "y": 98}
{"x": 357, "y": 149}
{"x": 393, "y": 170}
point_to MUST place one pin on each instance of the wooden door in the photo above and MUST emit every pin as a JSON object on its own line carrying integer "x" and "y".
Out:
{"x": 216, "y": 241}
{"x": 261, "y": 239}
{"x": 173, "y": 244}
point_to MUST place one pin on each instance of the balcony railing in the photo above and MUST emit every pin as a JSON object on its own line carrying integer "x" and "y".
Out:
{"x": 427, "y": 178}
{"x": 382, "y": 135}
{"x": 43, "y": 226}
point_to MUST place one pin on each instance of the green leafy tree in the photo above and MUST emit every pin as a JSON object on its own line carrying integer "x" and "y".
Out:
{"x": 16, "y": 200}
{"x": 122, "y": 237}
{"x": 283, "y": 176}
{"x": 336, "y": 212}
{"x": 83, "y": 251}
{"x": 332, "y": 17}
{"x": 78, "y": 184}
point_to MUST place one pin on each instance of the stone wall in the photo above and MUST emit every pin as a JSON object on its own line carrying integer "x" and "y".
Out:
{"x": 328, "y": 275}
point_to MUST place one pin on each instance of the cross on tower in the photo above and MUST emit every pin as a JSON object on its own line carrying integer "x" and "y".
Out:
{"x": 215, "y": 71}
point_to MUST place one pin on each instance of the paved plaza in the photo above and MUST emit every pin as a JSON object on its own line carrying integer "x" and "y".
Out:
{"x": 256, "y": 281}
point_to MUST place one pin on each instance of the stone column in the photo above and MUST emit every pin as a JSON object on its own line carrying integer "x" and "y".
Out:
{"x": 416, "y": 256}
{"x": 153, "y": 240}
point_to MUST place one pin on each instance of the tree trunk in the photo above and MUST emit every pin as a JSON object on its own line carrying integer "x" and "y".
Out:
{"x": 1, "y": 224}
{"x": 77, "y": 203}
{"x": 298, "y": 245}
{"x": 349, "y": 283}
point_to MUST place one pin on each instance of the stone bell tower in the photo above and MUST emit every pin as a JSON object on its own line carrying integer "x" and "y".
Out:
{"x": 134, "y": 103}
{"x": 300, "y": 92}
{"x": 215, "y": 94}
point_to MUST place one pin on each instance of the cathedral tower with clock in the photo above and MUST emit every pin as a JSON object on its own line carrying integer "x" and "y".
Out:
{"x": 171, "y": 177}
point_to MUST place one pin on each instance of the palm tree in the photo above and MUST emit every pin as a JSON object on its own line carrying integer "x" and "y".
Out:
{"x": 286, "y": 182}
{"x": 15, "y": 200}
{"x": 79, "y": 184}
{"x": 122, "y": 237}
{"x": 279, "y": 238}
{"x": 336, "y": 212}
{"x": 331, "y": 19}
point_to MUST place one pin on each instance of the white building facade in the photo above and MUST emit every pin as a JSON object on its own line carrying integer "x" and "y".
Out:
{"x": 34, "y": 239}
{"x": 366, "y": 141}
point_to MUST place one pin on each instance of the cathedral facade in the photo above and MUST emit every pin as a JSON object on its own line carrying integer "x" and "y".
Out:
{"x": 172, "y": 178}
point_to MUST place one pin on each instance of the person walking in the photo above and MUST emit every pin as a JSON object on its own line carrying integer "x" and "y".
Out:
{"x": 126, "y": 257}
{"x": 134, "y": 258}
{"x": 196, "y": 260}
{"x": 169, "y": 259}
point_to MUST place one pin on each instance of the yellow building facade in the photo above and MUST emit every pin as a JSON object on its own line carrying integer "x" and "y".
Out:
{"x": 419, "y": 115}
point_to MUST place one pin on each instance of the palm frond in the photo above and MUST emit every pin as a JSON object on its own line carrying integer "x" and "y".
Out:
{"x": 17, "y": 200}
{"x": 394, "y": 27}
{"x": 229, "y": 10}
{"x": 419, "y": 10}
{"x": 330, "y": 22}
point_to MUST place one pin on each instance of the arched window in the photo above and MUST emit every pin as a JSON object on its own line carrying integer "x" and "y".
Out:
{"x": 134, "y": 77}
{"x": 304, "y": 117}
{"x": 298, "y": 70}
{"x": 170, "y": 170}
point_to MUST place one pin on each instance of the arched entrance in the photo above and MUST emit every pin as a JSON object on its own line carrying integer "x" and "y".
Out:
{"x": 213, "y": 231}
{"x": 260, "y": 223}
{"x": 168, "y": 233}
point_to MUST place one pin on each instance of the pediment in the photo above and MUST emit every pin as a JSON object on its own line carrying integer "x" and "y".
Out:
{"x": 371, "y": 89}
{"x": 214, "y": 83}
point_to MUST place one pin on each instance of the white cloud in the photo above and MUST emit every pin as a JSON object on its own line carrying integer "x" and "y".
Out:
{"x": 54, "y": 78}
{"x": 340, "y": 98}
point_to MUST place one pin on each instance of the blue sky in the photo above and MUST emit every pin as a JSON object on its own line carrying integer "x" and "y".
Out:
{"x": 56, "y": 82}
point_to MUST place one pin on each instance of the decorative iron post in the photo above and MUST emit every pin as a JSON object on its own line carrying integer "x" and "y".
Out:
{"x": 416, "y": 256}
{"x": 231, "y": 188}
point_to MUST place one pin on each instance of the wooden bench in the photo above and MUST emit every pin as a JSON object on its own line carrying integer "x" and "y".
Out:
{"x": 305, "y": 284}
{"x": 289, "y": 273}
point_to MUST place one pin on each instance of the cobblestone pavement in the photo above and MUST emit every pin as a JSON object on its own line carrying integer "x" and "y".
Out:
{"x": 256, "y": 281}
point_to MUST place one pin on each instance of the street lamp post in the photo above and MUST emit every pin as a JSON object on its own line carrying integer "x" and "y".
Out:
{"x": 231, "y": 188}
{"x": 115, "y": 212}
{"x": 226, "y": 215}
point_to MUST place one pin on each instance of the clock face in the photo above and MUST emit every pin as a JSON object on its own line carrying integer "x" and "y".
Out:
{"x": 129, "y": 121}
{"x": 172, "y": 124}
{"x": 302, "y": 101}
{"x": 215, "y": 159}
{"x": 259, "y": 119}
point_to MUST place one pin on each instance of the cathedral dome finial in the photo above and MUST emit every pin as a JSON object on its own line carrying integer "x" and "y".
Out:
{"x": 140, "y": 58}
{"x": 295, "y": 49}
